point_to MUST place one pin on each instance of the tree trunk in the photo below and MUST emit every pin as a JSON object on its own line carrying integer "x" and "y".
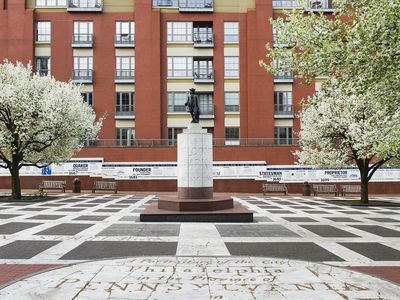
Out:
{"x": 364, "y": 187}
{"x": 15, "y": 182}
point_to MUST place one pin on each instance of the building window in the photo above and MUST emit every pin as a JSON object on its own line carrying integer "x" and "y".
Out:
{"x": 51, "y": 3}
{"x": 83, "y": 32}
{"x": 125, "y": 32}
{"x": 283, "y": 103}
{"x": 87, "y": 97}
{"x": 284, "y": 3}
{"x": 125, "y": 136}
{"x": 125, "y": 104}
{"x": 231, "y": 32}
{"x": 232, "y": 135}
{"x": 180, "y": 32}
{"x": 43, "y": 65}
{"x": 203, "y": 69}
{"x": 231, "y": 66}
{"x": 43, "y": 32}
{"x": 180, "y": 66}
{"x": 203, "y": 33}
{"x": 173, "y": 135}
{"x": 125, "y": 67}
{"x": 176, "y": 102}
{"x": 206, "y": 103}
{"x": 283, "y": 135}
{"x": 83, "y": 67}
{"x": 232, "y": 102}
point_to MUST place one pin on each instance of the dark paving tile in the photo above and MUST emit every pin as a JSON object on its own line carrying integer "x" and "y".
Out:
{"x": 353, "y": 212}
{"x": 13, "y": 227}
{"x": 342, "y": 219}
{"x": 117, "y": 206}
{"x": 303, "y": 251}
{"x": 52, "y": 204}
{"x": 91, "y": 218}
{"x": 262, "y": 219}
{"x": 130, "y": 219}
{"x": 100, "y": 201}
{"x": 71, "y": 209}
{"x": 280, "y": 211}
{"x": 109, "y": 210}
{"x": 299, "y": 219}
{"x": 141, "y": 230}
{"x": 317, "y": 212}
{"x": 255, "y": 202}
{"x": 65, "y": 229}
{"x": 127, "y": 201}
{"x": 254, "y": 231}
{"x": 85, "y": 205}
{"x": 374, "y": 251}
{"x": 388, "y": 220}
{"x": 387, "y": 212}
{"x": 33, "y": 209}
{"x": 24, "y": 249}
{"x": 328, "y": 231}
{"x": 8, "y": 216}
{"x": 378, "y": 230}
{"x": 139, "y": 210}
{"x": 303, "y": 207}
{"x": 46, "y": 217}
{"x": 70, "y": 200}
{"x": 269, "y": 207}
{"x": 331, "y": 207}
{"x": 108, "y": 249}
{"x": 286, "y": 203}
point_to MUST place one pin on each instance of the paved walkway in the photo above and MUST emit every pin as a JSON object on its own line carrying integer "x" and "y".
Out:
{"x": 76, "y": 228}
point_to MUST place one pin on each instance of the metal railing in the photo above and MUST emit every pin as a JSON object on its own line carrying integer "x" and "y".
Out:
{"x": 196, "y": 4}
{"x": 284, "y": 110}
{"x": 285, "y": 3}
{"x": 217, "y": 142}
{"x": 43, "y": 72}
{"x": 85, "y": 5}
{"x": 166, "y": 3}
{"x": 283, "y": 76}
{"x": 124, "y": 110}
{"x": 123, "y": 39}
{"x": 83, "y": 75}
{"x": 43, "y": 38}
{"x": 81, "y": 39}
{"x": 320, "y": 4}
{"x": 203, "y": 39}
{"x": 203, "y": 74}
{"x": 125, "y": 74}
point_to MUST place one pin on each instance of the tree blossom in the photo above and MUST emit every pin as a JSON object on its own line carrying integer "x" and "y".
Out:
{"x": 41, "y": 120}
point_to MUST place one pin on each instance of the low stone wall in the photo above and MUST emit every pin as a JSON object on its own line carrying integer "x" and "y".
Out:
{"x": 220, "y": 185}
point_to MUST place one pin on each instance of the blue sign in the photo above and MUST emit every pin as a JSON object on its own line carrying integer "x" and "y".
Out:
{"x": 46, "y": 171}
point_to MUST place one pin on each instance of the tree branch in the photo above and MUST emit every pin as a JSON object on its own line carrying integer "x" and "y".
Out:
{"x": 375, "y": 167}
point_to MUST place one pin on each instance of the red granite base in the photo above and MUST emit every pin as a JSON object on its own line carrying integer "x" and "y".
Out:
{"x": 178, "y": 204}
{"x": 238, "y": 213}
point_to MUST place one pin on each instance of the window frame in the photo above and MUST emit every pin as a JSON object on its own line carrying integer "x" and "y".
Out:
{"x": 234, "y": 110}
{"x": 173, "y": 72}
{"x": 231, "y": 34}
{"x": 231, "y": 72}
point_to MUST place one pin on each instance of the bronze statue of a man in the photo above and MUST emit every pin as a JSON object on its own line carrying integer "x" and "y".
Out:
{"x": 192, "y": 106}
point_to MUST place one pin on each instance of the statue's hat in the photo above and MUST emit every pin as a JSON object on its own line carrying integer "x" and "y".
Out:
{"x": 192, "y": 89}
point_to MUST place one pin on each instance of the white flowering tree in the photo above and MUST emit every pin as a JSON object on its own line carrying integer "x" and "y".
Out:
{"x": 354, "y": 120}
{"x": 41, "y": 120}
{"x": 341, "y": 129}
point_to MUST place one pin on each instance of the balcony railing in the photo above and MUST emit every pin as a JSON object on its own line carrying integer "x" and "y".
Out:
{"x": 165, "y": 3}
{"x": 284, "y": 3}
{"x": 124, "y": 110}
{"x": 203, "y": 40}
{"x": 203, "y": 76}
{"x": 318, "y": 5}
{"x": 284, "y": 111}
{"x": 196, "y": 5}
{"x": 82, "y": 75}
{"x": 217, "y": 142}
{"x": 82, "y": 40}
{"x": 124, "y": 76}
{"x": 43, "y": 72}
{"x": 85, "y": 5}
{"x": 283, "y": 77}
{"x": 124, "y": 40}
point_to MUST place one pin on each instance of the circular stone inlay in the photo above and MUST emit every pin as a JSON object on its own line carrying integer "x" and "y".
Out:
{"x": 238, "y": 278}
